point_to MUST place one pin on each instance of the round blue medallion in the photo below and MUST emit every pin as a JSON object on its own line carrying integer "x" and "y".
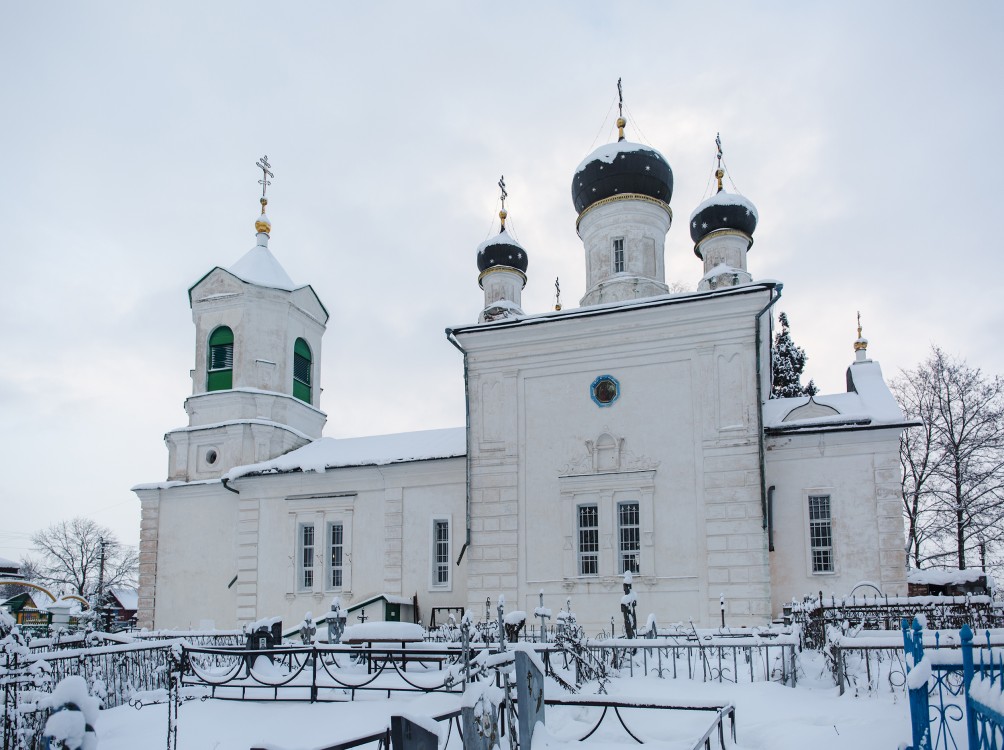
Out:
{"x": 605, "y": 390}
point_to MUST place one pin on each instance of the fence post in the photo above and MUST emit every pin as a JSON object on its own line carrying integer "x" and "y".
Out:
{"x": 920, "y": 722}
{"x": 966, "y": 637}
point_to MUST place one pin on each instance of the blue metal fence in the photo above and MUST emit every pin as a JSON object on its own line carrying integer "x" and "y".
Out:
{"x": 948, "y": 692}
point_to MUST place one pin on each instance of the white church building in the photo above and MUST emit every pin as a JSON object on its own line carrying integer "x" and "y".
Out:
{"x": 633, "y": 433}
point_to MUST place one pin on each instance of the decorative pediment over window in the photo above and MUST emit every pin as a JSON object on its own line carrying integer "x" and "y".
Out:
{"x": 606, "y": 454}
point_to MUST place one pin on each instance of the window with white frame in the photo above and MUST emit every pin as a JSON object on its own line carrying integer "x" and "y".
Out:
{"x": 589, "y": 540}
{"x": 821, "y": 534}
{"x": 629, "y": 537}
{"x": 305, "y": 577}
{"x": 336, "y": 551}
{"x": 619, "y": 255}
{"x": 441, "y": 552}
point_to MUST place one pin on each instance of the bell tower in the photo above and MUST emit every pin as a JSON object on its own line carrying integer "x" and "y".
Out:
{"x": 256, "y": 381}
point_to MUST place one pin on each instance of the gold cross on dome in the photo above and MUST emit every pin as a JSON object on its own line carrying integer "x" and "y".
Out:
{"x": 266, "y": 170}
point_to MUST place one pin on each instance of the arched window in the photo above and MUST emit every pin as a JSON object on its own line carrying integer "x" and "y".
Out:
{"x": 301, "y": 370}
{"x": 221, "y": 360}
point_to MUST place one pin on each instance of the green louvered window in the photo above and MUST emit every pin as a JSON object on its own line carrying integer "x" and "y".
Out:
{"x": 301, "y": 370}
{"x": 221, "y": 360}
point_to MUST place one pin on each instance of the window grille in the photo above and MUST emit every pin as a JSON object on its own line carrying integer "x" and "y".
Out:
{"x": 821, "y": 534}
{"x": 301, "y": 370}
{"x": 306, "y": 557}
{"x": 618, "y": 255}
{"x": 336, "y": 549}
{"x": 589, "y": 540}
{"x": 441, "y": 553}
{"x": 629, "y": 537}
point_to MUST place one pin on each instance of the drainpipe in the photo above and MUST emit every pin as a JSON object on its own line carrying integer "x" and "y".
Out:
{"x": 759, "y": 401}
{"x": 226, "y": 485}
{"x": 770, "y": 516}
{"x": 467, "y": 420}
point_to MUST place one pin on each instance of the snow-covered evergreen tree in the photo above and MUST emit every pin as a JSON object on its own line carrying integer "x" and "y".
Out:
{"x": 787, "y": 363}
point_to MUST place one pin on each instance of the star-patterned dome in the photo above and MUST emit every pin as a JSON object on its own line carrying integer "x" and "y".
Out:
{"x": 501, "y": 250}
{"x": 618, "y": 168}
{"x": 723, "y": 211}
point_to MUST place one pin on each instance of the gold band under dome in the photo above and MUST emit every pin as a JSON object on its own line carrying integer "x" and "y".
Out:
{"x": 625, "y": 197}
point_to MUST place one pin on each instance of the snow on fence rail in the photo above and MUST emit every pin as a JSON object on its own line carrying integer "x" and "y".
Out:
{"x": 815, "y": 614}
{"x": 877, "y": 662}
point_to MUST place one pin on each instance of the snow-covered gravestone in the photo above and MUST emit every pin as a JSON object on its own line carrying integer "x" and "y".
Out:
{"x": 307, "y": 629}
{"x": 70, "y": 726}
{"x": 629, "y": 603}
{"x": 336, "y": 621}
{"x": 529, "y": 696}
{"x": 413, "y": 733}
{"x": 480, "y": 719}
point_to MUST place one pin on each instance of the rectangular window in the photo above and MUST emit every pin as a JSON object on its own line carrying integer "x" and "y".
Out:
{"x": 336, "y": 550}
{"x": 589, "y": 540}
{"x": 306, "y": 568}
{"x": 820, "y": 534}
{"x": 440, "y": 552}
{"x": 618, "y": 255}
{"x": 629, "y": 537}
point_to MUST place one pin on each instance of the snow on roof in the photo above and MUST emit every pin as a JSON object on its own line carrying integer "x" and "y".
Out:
{"x": 259, "y": 266}
{"x": 609, "y": 151}
{"x": 502, "y": 238}
{"x": 128, "y": 598}
{"x": 727, "y": 199}
{"x": 720, "y": 269}
{"x": 375, "y": 450}
{"x": 869, "y": 403}
{"x": 946, "y": 577}
{"x": 5, "y": 563}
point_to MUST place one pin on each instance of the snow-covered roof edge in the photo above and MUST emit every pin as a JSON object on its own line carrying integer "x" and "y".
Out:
{"x": 658, "y": 300}
{"x": 870, "y": 404}
{"x": 375, "y": 450}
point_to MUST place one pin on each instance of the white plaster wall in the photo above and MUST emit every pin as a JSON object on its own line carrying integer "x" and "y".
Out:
{"x": 860, "y": 471}
{"x": 687, "y": 421}
{"x": 642, "y": 224}
{"x": 195, "y": 557}
{"x": 386, "y": 513}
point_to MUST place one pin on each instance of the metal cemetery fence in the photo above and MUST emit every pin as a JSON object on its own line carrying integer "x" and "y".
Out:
{"x": 816, "y": 614}
{"x": 951, "y": 698}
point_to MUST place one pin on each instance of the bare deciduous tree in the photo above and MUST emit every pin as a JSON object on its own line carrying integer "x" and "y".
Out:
{"x": 69, "y": 557}
{"x": 953, "y": 483}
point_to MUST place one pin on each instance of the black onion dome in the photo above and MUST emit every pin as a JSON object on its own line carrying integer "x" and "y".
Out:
{"x": 501, "y": 250}
{"x": 621, "y": 167}
{"x": 723, "y": 211}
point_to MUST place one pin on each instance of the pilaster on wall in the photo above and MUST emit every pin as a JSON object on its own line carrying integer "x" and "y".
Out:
{"x": 737, "y": 560}
{"x": 149, "y": 532}
{"x": 888, "y": 512}
{"x": 393, "y": 545}
{"x": 492, "y": 560}
{"x": 248, "y": 519}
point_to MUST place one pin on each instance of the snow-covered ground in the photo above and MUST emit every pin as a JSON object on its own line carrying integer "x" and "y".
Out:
{"x": 768, "y": 715}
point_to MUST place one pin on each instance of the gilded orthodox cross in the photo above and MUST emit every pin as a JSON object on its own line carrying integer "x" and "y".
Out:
{"x": 620, "y": 99}
{"x": 719, "y": 173}
{"x": 266, "y": 170}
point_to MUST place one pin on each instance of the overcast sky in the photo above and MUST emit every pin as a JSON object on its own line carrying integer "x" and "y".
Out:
{"x": 868, "y": 135}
